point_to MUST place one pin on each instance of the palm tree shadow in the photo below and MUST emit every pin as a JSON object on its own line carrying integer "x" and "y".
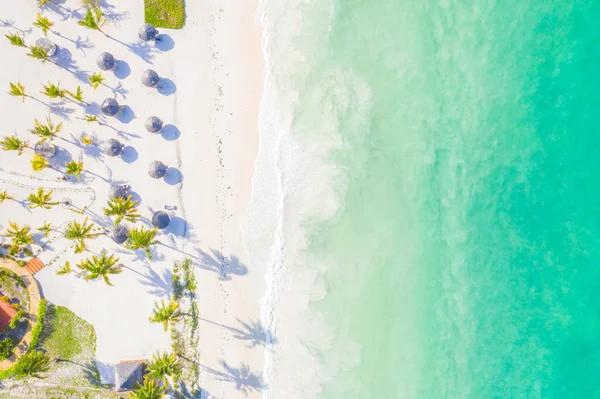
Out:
{"x": 6, "y": 23}
{"x": 158, "y": 285}
{"x": 141, "y": 49}
{"x": 253, "y": 331}
{"x": 64, "y": 59}
{"x": 109, "y": 12}
{"x": 244, "y": 380}
{"x": 80, "y": 42}
{"x": 218, "y": 263}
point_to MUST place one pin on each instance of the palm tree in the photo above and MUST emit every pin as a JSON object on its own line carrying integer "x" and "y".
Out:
{"x": 54, "y": 91}
{"x": 19, "y": 236}
{"x": 17, "y": 90}
{"x": 164, "y": 365}
{"x": 4, "y": 196}
{"x": 149, "y": 389}
{"x": 32, "y": 364}
{"x": 96, "y": 80}
{"x": 16, "y": 40}
{"x": 39, "y": 163}
{"x": 80, "y": 232}
{"x": 166, "y": 313}
{"x": 46, "y": 131}
{"x": 102, "y": 266}
{"x": 44, "y": 24}
{"x": 13, "y": 143}
{"x": 39, "y": 53}
{"x": 65, "y": 269}
{"x": 78, "y": 95}
{"x": 46, "y": 228}
{"x": 74, "y": 168}
{"x": 93, "y": 19}
{"x": 142, "y": 239}
{"x": 42, "y": 199}
{"x": 91, "y": 118}
{"x": 123, "y": 209}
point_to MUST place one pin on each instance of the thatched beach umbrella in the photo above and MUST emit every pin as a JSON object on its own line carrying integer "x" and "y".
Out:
{"x": 160, "y": 220}
{"x": 118, "y": 191}
{"x": 147, "y": 32}
{"x": 47, "y": 45}
{"x": 157, "y": 169}
{"x": 153, "y": 124}
{"x": 113, "y": 147}
{"x": 150, "y": 78}
{"x": 110, "y": 107}
{"x": 106, "y": 61}
{"x": 44, "y": 149}
{"x": 120, "y": 233}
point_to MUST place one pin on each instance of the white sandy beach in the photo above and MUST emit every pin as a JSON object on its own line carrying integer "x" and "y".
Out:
{"x": 210, "y": 103}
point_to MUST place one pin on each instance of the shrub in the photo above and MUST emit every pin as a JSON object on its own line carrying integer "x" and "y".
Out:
{"x": 15, "y": 320}
{"x": 37, "y": 328}
{"x": 16, "y": 306}
{"x": 6, "y": 348}
{"x": 4, "y": 298}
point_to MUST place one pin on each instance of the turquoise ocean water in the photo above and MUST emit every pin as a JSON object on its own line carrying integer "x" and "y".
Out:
{"x": 463, "y": 258}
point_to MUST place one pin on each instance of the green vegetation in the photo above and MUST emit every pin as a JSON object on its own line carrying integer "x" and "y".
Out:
{"x": 93, "y": 19}
{"x": 142, "y": 239}
{"x": 32, "y": 364}
{"x": 165, "y": 13}
{"x": 166, "y": 313}
{"x": 13, "y": 143}
{"x": 79, "y": 232}
{"x": 6, "y": 348}
{"x": 44, "y": 24}
{"x": 123, "y": 209}
{"x": 39, "y": 325}
{"x": 103, "y": 266}
{"x": 185, "y": 334}
{"x": 74, "y": 168}
{"x": 39, "y": 163}
{"x": 164, "y": 365}
{"x": 41, "y": 199}
{"x": 19, "y": 237}
{"x": 149, "y": 389}
{"x": 66, "y": 336}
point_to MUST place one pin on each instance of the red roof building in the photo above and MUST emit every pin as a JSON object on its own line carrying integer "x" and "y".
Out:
{"x": 7, "y": 312}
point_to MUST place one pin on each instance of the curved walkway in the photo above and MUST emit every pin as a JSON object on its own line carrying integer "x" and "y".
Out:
{"x": 34, "y": 301}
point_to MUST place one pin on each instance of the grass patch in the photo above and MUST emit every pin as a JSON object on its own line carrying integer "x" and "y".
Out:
{"x": 67, "y": 336}
{"x": 165, "y": 13}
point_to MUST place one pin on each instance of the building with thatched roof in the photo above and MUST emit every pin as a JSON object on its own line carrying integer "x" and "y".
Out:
{"x": 118, "y": 191}
{"x": 113, "y": 147}
{"x": 157, "y": 169}
{"x": 45, "y": 149}
{"x": 160, "y": 220}
{"x": 110, "y": 107}
{"x": 128, "y": 374}
{"x": 120, "y": 233}
{"x": 106, "y": 61}
{"x": 47, "y": 45}
{"x": 153, "y": 124}
{"x": 150, "y": 78}
{"x": 147, "y": 32}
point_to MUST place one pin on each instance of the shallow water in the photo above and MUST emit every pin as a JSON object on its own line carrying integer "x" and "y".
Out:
{"x": 437, "y": 198}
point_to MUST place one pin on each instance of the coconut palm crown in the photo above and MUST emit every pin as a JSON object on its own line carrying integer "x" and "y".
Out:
{"x": 166, "y": 313}
{"x": 164, "y": 365}
{"x": 149, "y": 389}
{"x": 142, "y": 239}
{"x": 122, "y": 208}
{"x": 79, "y": 232}
{"x": 39, "y": 163}
{"x": 44, "y": 24}
{"x": 13, "y": 143}
{"x": 103, "y": 266}
{"x": 74, "y": 168}
{"x": 41, "y": 199}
